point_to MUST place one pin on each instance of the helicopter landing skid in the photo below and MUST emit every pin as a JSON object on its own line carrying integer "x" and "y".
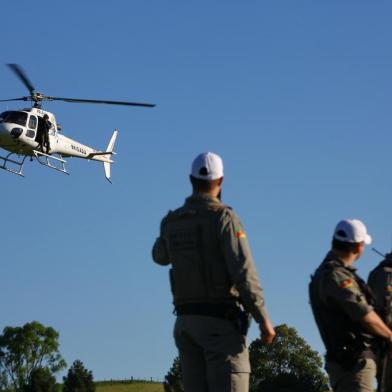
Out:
{"x": 56, "y": 163}
{"x": 18, "y": 164}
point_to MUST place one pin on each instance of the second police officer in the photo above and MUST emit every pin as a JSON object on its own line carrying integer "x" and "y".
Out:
{"x": 342, "y": 305}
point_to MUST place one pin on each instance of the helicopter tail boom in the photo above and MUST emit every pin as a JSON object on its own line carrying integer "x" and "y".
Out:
{"x": 94, "y": 154}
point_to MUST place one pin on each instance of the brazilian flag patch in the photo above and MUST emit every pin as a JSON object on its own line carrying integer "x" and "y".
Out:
{"x": 240, "y": 233}
{"x": 389, "y": 288}
{"x": 346, "y": 284}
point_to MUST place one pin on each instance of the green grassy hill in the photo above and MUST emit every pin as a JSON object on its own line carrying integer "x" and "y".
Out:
{"x": 127, "y": 386}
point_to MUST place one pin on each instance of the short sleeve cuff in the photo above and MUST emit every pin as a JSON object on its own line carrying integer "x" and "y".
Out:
{"x": 260, "y": 315}
{"x": 360, "y": 311}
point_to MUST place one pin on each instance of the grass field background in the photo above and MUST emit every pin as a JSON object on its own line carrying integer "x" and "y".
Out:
{"x": 129, "y": 387}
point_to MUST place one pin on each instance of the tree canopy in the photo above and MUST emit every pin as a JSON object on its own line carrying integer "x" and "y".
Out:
{"x": 26, "y": 349}
{"x": 288, "y": 364}
{"x": 41, "y": 380}
{"x": 78, "y": 379}
{"x": 173, "y": 382}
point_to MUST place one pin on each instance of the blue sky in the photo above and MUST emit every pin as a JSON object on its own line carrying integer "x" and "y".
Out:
{"x": 295, "y": 96}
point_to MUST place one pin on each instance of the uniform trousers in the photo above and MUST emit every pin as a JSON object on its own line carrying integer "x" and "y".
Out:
{"x": 387, "y": 378}
{"x": 213, "y": 354}
{"x": 358, "y": 379}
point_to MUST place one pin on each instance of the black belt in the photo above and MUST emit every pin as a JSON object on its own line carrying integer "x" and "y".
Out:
{"x": 224, "y": 311}
{"x": 361, "y": 354}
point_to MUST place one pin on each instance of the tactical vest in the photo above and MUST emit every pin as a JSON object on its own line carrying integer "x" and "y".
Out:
{"x": 341, "y": 336}
{"x": 199, "y": 273}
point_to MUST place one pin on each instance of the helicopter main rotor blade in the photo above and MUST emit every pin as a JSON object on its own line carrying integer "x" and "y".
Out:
{"x": 147, "y": 105}
{"x": 22, "y": 76}
{"x": 15, "y": 99}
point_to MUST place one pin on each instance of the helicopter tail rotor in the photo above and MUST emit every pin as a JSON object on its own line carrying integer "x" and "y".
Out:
{"x": 106, "y": 165}
{"x": 105, "y": 156}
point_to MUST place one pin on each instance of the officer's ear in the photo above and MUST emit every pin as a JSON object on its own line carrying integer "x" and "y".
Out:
{"x": 359, "y": 247}
{"x": 220, "y": 181}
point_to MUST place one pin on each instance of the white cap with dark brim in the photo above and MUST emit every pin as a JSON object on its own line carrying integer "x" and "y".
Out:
{"x": 352, "y": 230}
{"x": 207, "y": 166}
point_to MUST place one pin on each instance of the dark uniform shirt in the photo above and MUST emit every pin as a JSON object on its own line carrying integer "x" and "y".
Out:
{"x": 211, "y": 261}
{"x": 380, "y": 281}
{"x": 339, "y": 300}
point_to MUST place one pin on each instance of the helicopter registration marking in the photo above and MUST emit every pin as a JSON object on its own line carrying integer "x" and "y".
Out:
{"x": 79, "y": 149}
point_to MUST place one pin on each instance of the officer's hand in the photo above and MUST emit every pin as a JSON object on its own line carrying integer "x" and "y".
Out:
{"x": 267, "y": 332}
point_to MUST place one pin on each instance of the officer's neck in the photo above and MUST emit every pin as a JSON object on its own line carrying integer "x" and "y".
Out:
{"x": 348, "y": 258}
{"x": 214, "y": 192}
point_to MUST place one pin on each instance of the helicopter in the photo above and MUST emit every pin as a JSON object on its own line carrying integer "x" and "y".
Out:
{"x": 23, "y": 132}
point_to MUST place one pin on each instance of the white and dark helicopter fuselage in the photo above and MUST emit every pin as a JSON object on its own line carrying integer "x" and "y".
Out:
{"x": 21, "y": 134}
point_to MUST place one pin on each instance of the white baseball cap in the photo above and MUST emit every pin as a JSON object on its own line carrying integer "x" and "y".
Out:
{"x": 352, "y": 230}
{"x": 207, "y": 166}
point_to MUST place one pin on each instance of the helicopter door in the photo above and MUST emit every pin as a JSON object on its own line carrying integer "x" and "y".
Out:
{"x": 31, "y": 127}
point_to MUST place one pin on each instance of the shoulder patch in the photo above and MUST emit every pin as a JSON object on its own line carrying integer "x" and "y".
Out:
{"x": 388, "y": 288}
{"x": 346, "y": 284}
{"x": 239, "y": 233}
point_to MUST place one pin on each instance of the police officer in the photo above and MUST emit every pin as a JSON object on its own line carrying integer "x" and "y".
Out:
{"x": 380, "y": 281}
{"x": 342, "y": 305}
{"x": 214, "y": 284}
{"x": 45, "y": 133}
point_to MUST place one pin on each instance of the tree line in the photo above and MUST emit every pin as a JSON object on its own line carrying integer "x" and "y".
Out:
{"x": 30, "y": 359}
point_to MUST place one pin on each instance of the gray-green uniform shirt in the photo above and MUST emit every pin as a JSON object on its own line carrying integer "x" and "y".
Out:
{"x": 339, "y": 301}
{"x": 211, "y": 261}
{"x": 380, "y": 281}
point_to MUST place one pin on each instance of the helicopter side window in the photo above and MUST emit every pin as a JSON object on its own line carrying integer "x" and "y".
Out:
{"x": 30, "y": 133}
{"x": 19, "y": 118}
{"x": 3, "y": 115}
{"x": 33, "y": 122}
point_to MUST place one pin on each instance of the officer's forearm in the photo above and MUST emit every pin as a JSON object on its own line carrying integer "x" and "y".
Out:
{"x": 252, "y": 297}
{"x": 267, "y": 331}
{"x": 373, "y": 323}
{"x": 159, "y": 253}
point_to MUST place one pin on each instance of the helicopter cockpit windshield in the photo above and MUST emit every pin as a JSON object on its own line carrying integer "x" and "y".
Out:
{"x": 14, "y": 117}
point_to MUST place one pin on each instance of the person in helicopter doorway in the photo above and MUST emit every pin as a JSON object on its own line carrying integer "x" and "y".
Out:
{"x": 45, "y": 134}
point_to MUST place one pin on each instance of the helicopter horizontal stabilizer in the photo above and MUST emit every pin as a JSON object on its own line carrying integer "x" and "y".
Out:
{"x": 93, "y": 154}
